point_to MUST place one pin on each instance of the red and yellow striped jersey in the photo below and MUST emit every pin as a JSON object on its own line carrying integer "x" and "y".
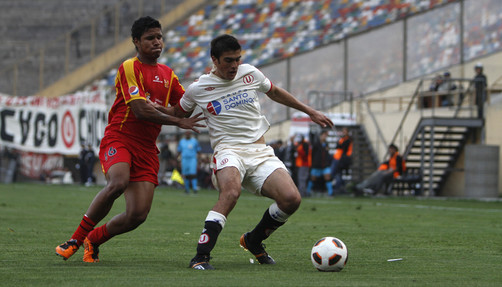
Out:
{"x": 138, "y": 81}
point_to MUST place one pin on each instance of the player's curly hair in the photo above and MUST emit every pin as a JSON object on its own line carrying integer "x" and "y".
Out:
{"x": 224, "y": 43}
{"x": 142, "y": 24}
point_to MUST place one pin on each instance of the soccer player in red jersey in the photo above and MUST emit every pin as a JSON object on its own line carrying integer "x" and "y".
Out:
{"x": 128, "y": 151}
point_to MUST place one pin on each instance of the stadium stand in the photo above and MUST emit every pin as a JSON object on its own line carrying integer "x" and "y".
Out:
{"x": 482, "y": 28}
{"x": 29, "y": 25}
{"x": 38, "y": 35}
{"x": 271, "y": 30}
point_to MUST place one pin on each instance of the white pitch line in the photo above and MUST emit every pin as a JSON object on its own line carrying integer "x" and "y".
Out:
{"x": 372, "y": 203}
{"x": 417, "y": 206}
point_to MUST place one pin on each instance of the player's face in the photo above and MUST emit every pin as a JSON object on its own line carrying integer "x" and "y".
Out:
{"x": 227, "y": 64}
{"x": 150, "y": 44}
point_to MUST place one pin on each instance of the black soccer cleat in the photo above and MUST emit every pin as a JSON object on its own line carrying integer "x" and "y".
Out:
{"x": 258, "y": 250}
{"x": 201, "y": 262}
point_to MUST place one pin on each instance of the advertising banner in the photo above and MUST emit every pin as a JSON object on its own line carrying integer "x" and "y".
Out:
{"x": 53, "y": 125}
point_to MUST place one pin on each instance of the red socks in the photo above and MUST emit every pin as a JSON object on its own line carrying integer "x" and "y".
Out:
{"x": 86, "y": 226}
{"x": 99, "y": 235}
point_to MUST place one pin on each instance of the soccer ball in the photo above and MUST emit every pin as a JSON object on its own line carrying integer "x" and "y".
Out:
{"x": 329, "y": 254}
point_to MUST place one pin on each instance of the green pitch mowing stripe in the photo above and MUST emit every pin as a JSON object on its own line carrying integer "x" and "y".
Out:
{"x": 446, "y": 242}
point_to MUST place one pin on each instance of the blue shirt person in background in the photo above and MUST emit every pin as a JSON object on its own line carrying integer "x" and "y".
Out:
{"x": 188, "y": 149}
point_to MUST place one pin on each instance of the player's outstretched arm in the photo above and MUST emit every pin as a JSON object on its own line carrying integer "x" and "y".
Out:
{"x": 282, "y": 96}
{"x": 148, "y": 112}
{"x": 161, "y": 108}
{"x": 172, "y": 111}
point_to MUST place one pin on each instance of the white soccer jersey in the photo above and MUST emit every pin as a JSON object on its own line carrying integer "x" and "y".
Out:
{"x": 231, "y": 107}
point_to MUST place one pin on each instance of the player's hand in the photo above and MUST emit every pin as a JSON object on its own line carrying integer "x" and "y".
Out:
{"x": 192, "y": 123}
{"x": 321, "y": 119}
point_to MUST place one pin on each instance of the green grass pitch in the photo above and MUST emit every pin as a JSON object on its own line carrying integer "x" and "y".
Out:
{"x": 442, "y": 242}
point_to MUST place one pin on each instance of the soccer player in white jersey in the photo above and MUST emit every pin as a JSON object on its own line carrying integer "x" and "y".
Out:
{"x": 228, "y": 97}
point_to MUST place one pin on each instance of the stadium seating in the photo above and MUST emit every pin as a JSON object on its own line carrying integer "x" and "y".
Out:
{"x": 268, "y": 29}
{"x": 271, "y": 29}
{"x": 34, "y": 24}
{"x": 34, "y": 34}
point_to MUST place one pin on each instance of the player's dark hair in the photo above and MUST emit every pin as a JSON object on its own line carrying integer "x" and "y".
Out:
{"x": 394, "y": 147}
{"x": 141, "y": 25}
{"x": 224, "y": 43}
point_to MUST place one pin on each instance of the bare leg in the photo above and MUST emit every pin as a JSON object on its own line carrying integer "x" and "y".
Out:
{"x": 229, "y": 186}
{"x": 280, "y": 187}
{"x": 118, "y": 179}
{"x": 139, "y": 197}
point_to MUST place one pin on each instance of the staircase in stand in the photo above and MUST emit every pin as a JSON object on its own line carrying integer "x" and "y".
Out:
{"x": 364, "y": 159}
{"x": 435, "y": 148}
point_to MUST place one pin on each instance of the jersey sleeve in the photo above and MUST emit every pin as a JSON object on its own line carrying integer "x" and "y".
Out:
{"x": 264, "y": 83}
{"x": 187, "y": 103}
{"x": 130, "y": 82}
{"x": 176, "y": 90}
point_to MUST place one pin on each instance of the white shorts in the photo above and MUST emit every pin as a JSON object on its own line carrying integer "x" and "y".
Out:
{"x": 255, "y": 163}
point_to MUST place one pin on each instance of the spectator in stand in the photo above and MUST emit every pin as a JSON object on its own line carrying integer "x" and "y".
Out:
{"x": 428, "y": 101}
{"x": 188, "y": 149}
{"x": 321, "y": 163}
{"x": 480, "y": 83}
{"x": 387, "y": 171}
{"x": 446, "y": 86}
{"x": 303, "y": 162}
{"x": 342, "y": 159}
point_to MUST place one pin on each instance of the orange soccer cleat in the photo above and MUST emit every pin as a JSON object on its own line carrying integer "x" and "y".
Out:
{"x": 67, "y": 249}
{"x": 91, "y": 251}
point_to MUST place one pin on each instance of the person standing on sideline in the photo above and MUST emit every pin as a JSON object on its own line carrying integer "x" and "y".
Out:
{"x": 290, "y": 158}
{"x": 90, "y": 160}
{"x": 228, "y": 96}
{"x": 165, "y": 157}
{"x": 82, "y": 164}
{"x": 342, "y": 159}
{"x": 321, "y": 163}
{"x": 188, "y": 149}
{"x": 303, "y": 162}
{"x": 128, "y": 151}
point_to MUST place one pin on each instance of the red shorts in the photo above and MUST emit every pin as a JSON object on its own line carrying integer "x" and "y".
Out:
{"x": 144, "y": 166}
